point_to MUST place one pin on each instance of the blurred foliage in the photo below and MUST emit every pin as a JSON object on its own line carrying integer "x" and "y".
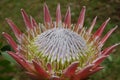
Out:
{"x": 101, "y": 8}
{"x": 6, "y": 68}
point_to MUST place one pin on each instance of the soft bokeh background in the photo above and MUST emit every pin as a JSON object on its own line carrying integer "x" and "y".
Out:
{"x": 101, "y": 8}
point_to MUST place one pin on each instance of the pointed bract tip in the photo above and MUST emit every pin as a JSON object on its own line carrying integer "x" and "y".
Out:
{"x": 84, "y": 7}
{"x": 45, "y": 4}
{"x": 33, "y": 22}
{"x": 47, "y": 17}
{"x": 81, "y": 18}
{"x": 92, "y": 25}
{"x": 99, "y": 60}
{"x": 108, "y": 50}
{"x": 85, "y": 71}
{"x": 116, "y": 26}
{"x": 3, "y": 32}
{"x": 96, "y": 70}
{"x": 117, "y": 43}
{"x": 26, "y": 19}
{"x": 100, "y": 30}
{"x": 58, "y": 4}
{"x": 15, "y": 29}
{"x": 10, "y": 41}
{"x": 109, "y": 18}
{"x": 69, "y": 11}
{"x": 6, "y": 19}
{"x": 96, "y": 17}
{"x": 58, "y": 14}
{"x": 67, "y": 19}
{"x": 104, "y": 39}
{"x": 68, "y": 8}
{"x": 22, "y": 10}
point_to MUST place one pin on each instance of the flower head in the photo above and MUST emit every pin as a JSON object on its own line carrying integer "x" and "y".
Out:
{"x": 59, "y": 50}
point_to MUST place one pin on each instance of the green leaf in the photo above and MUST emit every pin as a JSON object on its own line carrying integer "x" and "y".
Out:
{"x": 8, "y": 57}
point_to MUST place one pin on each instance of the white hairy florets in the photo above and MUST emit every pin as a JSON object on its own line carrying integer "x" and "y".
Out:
{"x": 60, "y": 44}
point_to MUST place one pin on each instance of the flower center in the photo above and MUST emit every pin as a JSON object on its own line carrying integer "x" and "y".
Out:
{"x": 61, "y": 45}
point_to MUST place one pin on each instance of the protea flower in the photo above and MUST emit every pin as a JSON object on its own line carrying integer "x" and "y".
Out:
{"x": 59, "y": 50}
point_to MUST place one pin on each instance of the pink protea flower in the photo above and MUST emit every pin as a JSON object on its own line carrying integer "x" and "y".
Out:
{"x": 59, "y": 50}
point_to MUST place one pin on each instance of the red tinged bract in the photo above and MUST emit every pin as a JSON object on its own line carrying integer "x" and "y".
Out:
{"x": 58, "y": 15}
{"x": 67, "y": 20}
{"x": 81, "y": 18}
{"x": 59, "y": 50}
{"x": 10, "y": 41}
{"x": 47, "y": 17}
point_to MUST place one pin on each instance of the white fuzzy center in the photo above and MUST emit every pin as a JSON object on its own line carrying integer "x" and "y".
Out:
{"x": 59, "y": 44}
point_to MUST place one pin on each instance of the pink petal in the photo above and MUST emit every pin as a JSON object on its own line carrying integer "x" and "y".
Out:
{"x": 20, "y": 60}
{"x": 101, "y": 29}
{"x": 81, "y": 19}
{"x": 10, "y": 41}
{"x": 26, "y": 19}
{"x": 16, "y": 31}
{"x": 99, "y": 60}
{"x": 70, "y": 70}
{"x": 95, "y": 70}
{"x": 107, "y": 36}
{"x": 33, "y": 22}
{"x": 40, "y": 70}
{"x": 108, "y": 50}
{"x": 67, "y": 19}
{"x": 91, "y": 72}
{"x": 92, "y": 25}
{"x": 84, "y": 72}
{"x": 47, "y": 17}
{"x": 58, "y": 14}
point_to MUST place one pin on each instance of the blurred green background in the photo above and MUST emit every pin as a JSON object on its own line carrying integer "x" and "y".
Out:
{"x": 101, "y": 8}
